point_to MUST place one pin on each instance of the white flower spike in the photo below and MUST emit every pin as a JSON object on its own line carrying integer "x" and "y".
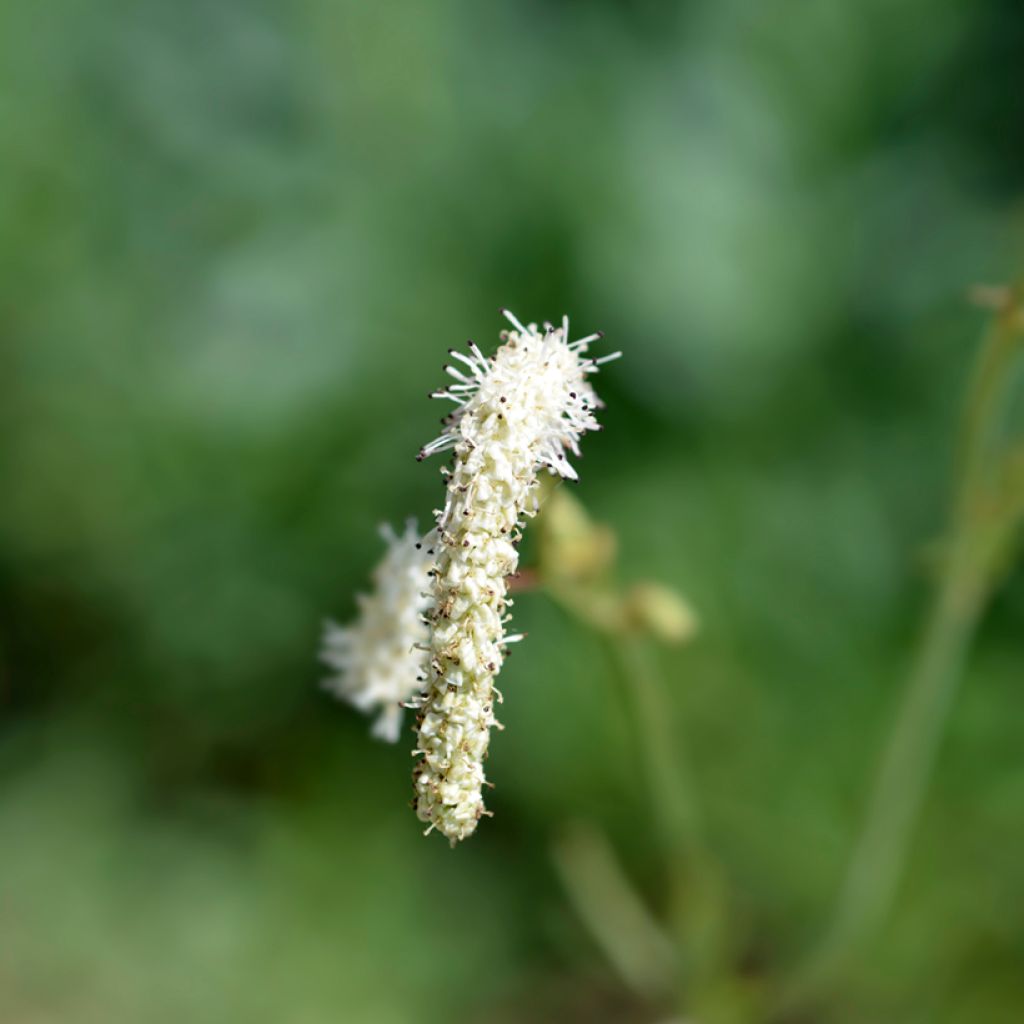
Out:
{"x": 518, "y": 411}
{"x": 380, "y": 658}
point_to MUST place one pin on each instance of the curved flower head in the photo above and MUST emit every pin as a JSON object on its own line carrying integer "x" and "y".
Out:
{"x": 379, "y": 658}
{"x": 535, "y": 385}
{"x": 517, "y": 412}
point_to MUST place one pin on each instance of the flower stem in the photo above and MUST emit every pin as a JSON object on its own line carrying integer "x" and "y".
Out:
{"x": 906, "y": 765}
{"x": 979, "y": 535}
{"x": 695, "y": 893}
{"x": 614, "y": 913}
{"x": 675, "y": 805}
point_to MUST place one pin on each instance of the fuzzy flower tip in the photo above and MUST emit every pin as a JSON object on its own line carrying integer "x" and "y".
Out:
{"x": 517, "y": 412}
{"x": 379, "y": 659}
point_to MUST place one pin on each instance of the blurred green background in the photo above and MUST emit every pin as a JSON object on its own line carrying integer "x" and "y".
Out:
{"x": 236, "y": 239}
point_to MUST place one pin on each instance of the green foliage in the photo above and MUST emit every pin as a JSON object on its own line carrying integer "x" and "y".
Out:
{"x": 235, "y": 242}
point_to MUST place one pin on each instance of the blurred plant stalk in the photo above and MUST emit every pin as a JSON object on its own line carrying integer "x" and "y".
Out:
{"x": 575, "y": 567}
{"x": 986, "y": 514}
{"x": 604, "y": 899}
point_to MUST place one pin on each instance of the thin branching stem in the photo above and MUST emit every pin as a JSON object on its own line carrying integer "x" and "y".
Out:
{"x": 694, "y": 898}
{"x": 673, "y": 796}
{"x": 978, "y": 536}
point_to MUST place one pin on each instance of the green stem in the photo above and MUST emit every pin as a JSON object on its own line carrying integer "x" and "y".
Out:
{"x": 606, "y": 902}
{"x": 695, "y": 892}
{"x": 902, "y": 781}
{"x": 673, "y": 799}
{"x": 969, "y": 572}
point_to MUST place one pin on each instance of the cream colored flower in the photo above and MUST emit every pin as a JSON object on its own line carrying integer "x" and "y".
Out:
{"x": 518, "y": 411}
{"x": 380, "y": 658}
